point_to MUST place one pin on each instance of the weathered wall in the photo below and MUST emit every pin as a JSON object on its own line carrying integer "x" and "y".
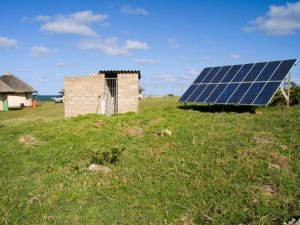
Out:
{"x": 82, "y": 95}
{"x": 1, "y": 102}
{"x": 128, "y": 92}
{"x": 15, "y": 100}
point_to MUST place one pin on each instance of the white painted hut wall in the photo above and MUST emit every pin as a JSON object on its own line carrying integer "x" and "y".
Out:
{"x": 1, "y": 102}
{"x": 15, "y": 100}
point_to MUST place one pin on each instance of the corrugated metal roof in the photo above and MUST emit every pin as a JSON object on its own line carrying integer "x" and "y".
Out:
{"x": 121, "y": 71}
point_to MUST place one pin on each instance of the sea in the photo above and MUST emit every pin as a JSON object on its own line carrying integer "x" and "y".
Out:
{"x": 45, "y": 97}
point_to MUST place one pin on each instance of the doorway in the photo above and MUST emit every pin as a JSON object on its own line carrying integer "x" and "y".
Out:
{"x": 111, "y": 93}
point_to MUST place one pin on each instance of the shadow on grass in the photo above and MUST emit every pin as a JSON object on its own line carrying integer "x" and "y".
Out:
{"x": 219, "y": 108}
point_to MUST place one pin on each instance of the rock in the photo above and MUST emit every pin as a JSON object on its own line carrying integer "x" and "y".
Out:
{"x": 268, "y": 190}
{"x": 165, "y": 132}
{"x": 295, "y": 220}
{"x": 96, "y": 167}
{"x": 28, "y": 139}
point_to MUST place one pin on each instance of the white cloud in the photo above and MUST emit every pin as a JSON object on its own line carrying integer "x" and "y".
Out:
{"x": 77, "y": 23}
{"x": 193, "y": 72}
{"x": 279, "y": 21}
{"x": 133, "y": 11}
{"x": 142, "y": 61}
{"x": 110, "y": 46}
{"x": 7, "y": 42}
{"x": 234, "y": 56}
{"x": 135, "y": 45}
{"x": 205, "y": 59}
{"x": 39, "y": 51}
{"x": 166, "y": 78}
{"x": 173, "y": 43}
{"x": 61, "y": 65}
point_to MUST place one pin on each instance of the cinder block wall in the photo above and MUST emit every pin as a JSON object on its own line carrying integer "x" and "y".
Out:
{"x": 128, "y": 92}
{"x": 82, "y": 95}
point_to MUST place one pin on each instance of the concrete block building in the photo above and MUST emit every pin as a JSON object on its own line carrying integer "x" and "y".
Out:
{"x": 106, "y": 92}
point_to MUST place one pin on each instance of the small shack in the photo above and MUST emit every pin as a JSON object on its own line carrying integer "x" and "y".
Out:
{"x": 106, "y": 92}
{"x": 14, "y": 92}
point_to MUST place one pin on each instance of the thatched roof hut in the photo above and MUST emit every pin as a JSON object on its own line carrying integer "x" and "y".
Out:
{"x": 4, "y": 88}
{"x": 17, "y": 85}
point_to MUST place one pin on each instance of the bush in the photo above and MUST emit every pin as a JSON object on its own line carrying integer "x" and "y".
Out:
{"x": 110, "y": 156}
{"x": 279, "y": 99}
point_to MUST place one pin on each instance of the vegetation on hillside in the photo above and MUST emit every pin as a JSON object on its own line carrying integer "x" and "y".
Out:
{"x": 217, "y": 166}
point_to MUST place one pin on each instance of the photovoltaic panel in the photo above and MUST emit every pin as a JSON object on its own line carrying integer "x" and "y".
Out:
{"x": 197, "y": 92}
{"x": 283, "y": 70}
{"x": 221, "y": 74}
{"x": 202, "y": 75}
{"x": 239, "y": 93}
{"x": 266, "y": 93}
{"x": 252, "y": 93}
{"x": 227, "y": 93}
{"x": 206, "y": 92}
{"x": 255, "y": 71}
{"x": 231, "y": 73}
{"x": 242, "y": 72}
{"x": 268, "y": 71}
{"x": 211, "y": 75}
{"x": 247, "y": 84}
{"x": 188, "y": 92}
{"x": 216, "y": 92}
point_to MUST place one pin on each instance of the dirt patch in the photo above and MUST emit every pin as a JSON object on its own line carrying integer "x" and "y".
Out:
{"x": 155, "y": 121}
{"x": 134, "y": 131}
{"x": 279, "y": 160}
{"x": 98, "y": 123}
{"x": 186, "y": 220}
{"x": 268, "y": 190}
{"x": 28, "y": 139}
{"x": 263, "y": 139}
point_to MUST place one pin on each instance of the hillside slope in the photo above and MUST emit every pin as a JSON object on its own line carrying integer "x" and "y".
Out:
{"x": 216, "y": 167}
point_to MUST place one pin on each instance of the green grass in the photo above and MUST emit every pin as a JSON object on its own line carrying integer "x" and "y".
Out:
{"x": 209, "y": 171}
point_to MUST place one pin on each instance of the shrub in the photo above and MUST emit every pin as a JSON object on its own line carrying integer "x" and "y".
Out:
{"x": 110, "y": 156}
{"x": 279, "y": 99}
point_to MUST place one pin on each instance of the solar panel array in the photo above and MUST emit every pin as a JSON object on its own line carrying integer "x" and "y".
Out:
{"x": 247, "y": 84}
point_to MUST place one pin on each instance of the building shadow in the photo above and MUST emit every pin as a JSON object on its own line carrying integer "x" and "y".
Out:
{"x": 219, "y": 108}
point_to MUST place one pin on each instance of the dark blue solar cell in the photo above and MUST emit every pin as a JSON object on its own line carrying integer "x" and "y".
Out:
{"x": 266, "y": 93}
{"x": 231, "y": 73}
{"x": 242, "y": 73}
{"x": 283, "y": 69}
{"x": 252, "y": 93}
{"x": 196, "y": 93}
{"x": 268, "y": 71}
{"x": 202, "y": 75}
{"x": 187, "y": 93}
{"x": 227, "y": 93}
{"x": 255, "y": 71}
{"x": 239, "y": 93}
{"x": 206, "y": 92}
{"x": 216, "y": 92}
{"x": 211, "y": 75}
{"x": 221, "y": 74}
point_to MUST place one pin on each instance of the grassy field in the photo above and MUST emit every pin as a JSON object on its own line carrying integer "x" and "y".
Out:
{"x": 219, "y": 166}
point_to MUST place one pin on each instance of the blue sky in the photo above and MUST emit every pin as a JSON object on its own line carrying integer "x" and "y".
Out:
{"x": 170, "y": 42}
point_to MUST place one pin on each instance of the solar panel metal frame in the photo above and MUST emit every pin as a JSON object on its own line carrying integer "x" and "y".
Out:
{"x": 255, "y": 81}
